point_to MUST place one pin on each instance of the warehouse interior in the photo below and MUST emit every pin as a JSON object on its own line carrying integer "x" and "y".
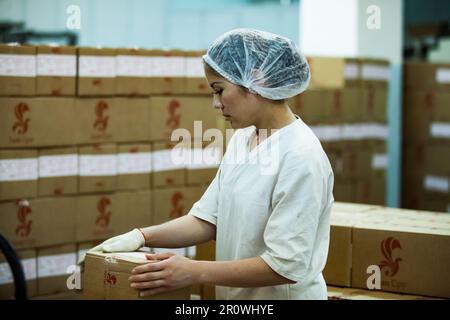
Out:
{"x": 91, "y": 93}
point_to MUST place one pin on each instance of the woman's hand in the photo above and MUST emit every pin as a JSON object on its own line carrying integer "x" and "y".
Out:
{"x": 168, "y": 271}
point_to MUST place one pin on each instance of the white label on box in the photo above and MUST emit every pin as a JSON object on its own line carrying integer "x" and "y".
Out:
{"x": 58, "y": 166}
{"x": 351, "y": 71}
{"x": 376, "y": 131}
{"x": 375, "y": 72}
{"x": 443, "y": 75}
{"x": 164, "y": 160}
{"x": 60, "y": 65}
{"x": 379, "y": 161}
{"x": 132, "y": 163}
{"x": 17, "y": 65}
{"x": 194, "y": 67}
{"x": 18, "y": 169}
{"x": 133, "y": 66}
{"x": 168, "y": 66}
{"x": 178, "y": 251}
{"x": 440, "y": 130}
{"x": 98, "y": 165}
{"x": 327, "y": 133}
{"x": 203, "y": 158}
{"x": 191, "y": 251}
{"x": 435, "y": 183}
{"x": 29, "y": 269}
{"x": 55, "y": 265}
{"x": 97, "y": 67}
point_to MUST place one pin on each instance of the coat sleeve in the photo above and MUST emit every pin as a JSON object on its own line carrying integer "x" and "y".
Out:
{"x": 295, "y": 225}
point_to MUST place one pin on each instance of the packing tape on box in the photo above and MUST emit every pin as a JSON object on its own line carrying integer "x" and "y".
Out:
{"x": 440, "y": 130}
{"x": 170, "y": 159}
{"x": 357, "y": 131}
{"x": 194, "y": 67}
{"x": 379, "y": 161}
{"x": 351, "y": 71}
{"x": 29, "y": 269}
{"x": 203, "y": 158}
{"x": 375, "y": 72}
{"x": 58, "y": 166}
{"x": 18, "y": 169}
{"x": 133, "y": 66}
{"x": 443, "y": 75}
{"x": 59, "y": 65}
{"x": 55, "y": 265}
{"x": 97, "y": 67}
{"x": 436, "y": 183}
{"x": 134, "y": 163}
{"x": 17, "y": 65}
{"x": 168, "y": 66}
{"x": 97, "y": 165}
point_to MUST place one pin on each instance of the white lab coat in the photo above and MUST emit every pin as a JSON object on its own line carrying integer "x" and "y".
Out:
{"x": 275, "y": 205}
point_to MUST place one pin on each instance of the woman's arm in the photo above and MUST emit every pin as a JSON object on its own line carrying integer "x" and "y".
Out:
{"x": 170, "y": 271}
{"x": 181, "y": 232}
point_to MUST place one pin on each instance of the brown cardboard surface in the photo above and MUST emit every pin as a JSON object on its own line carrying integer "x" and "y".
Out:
{"x": 133, "y": 174}
{"x": 59, "y": 183}
{"x": 19, "y": 85}
{"x": 27, "y": 122}
{"x": 339, "y": 293}
{"x": 106, "y": 278}
{"x": 414, "y": 263}
{"x": 47, "y": 85}
{"x": 339, "y": 262}
{"x": 167, "y": 84}
{"x": 166, "y": 171}
{"x": 132, "y": 83}
{"x": 53, "y": 263}
{"x": 326, "y": 72}
{"x": 95, "y": 85}
{"x": 102, "y": 216}
{"x": 27, "y": 223}
{"x": 420, "y": 75}
{"x": 19, "y": 185}
{"x": 90, "y": 179}
{"x": 374, "y": 104}
{"x": 171, "y": 203}
{"x": 195, "y": 81}
{"x": 344, "y": 190}
{"x": 29, "y": 264}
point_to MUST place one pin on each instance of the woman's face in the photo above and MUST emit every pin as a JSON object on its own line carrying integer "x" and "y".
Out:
{"x": 238, "y": 106}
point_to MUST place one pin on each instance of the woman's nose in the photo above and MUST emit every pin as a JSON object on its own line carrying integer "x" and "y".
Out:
{"x": 216, "y": 103}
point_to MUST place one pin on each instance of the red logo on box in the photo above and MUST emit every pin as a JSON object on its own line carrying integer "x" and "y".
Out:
{"x": 109, "y": 278}
{"x": 173, "y": 121}
{"x": 104, "y": 215}
{"x": 387, "y": 247}
{"x": 21, "y": 124}
{"x": 23, "y": 210}
{"x": 177, "y": 207}
{"x": 101, "y": 121}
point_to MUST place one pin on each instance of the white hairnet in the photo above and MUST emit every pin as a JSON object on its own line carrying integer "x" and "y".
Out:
{"x": 265, "y": 63}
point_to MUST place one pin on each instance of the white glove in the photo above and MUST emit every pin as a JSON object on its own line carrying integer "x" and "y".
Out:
{"x": 130, "y": 241}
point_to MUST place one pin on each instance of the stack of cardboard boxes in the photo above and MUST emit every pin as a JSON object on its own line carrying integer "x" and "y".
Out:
{"x": 345, "y": 106}
{"x": 409, "y": 248}
{"x": 426, "y": 136}
{"x": 85, "y": 149}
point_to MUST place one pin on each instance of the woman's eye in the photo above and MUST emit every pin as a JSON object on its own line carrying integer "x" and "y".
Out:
{"x": 218, "y": 91}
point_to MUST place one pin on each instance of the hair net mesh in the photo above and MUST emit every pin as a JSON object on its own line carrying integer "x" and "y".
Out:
{"x": 264, "y": 63}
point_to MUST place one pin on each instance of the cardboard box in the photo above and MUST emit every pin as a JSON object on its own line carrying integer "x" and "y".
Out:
{"x": 337, "y": 293}
{"x": 17, "y": 70}
{"x": 18, "y": 174}
{"x": 168, "y": 71}
{"x": 169, "y": 114}
{"x": 374, "y": 73}
{"x": 374, "y": 104}
{"x": 103, "y": 216}
{"x": 420, "y": 75}
{"x": 412, "y": 260}
{"x": 29, "y": 122}
{"x": 58, "y": 171}
{"x": 310, "y": 105}
{"x": 338, "y": 268}
{"x": 196, "y": 82}
{"x": 38, "y": 222}
{"x": 112, "y": 120}
{"x": 96, "y": 71}
{"x": 207, "y": 251}
{"x": 29, "y": 265}
{"x": 56, "y": 70}
{"x": 356, "y": 163}
{"x": 97, "y": 168}
{"x": 53, "y": 264}
{"x": 173, "y": 203}
{"x": 134, "y": 166}
{"x": 134, "y": 69}
{"x": 326, "y": 72}
{"x": 106, "y": 278}
{"x": 344, "y": 190}
{"x": 168, "y": 164}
